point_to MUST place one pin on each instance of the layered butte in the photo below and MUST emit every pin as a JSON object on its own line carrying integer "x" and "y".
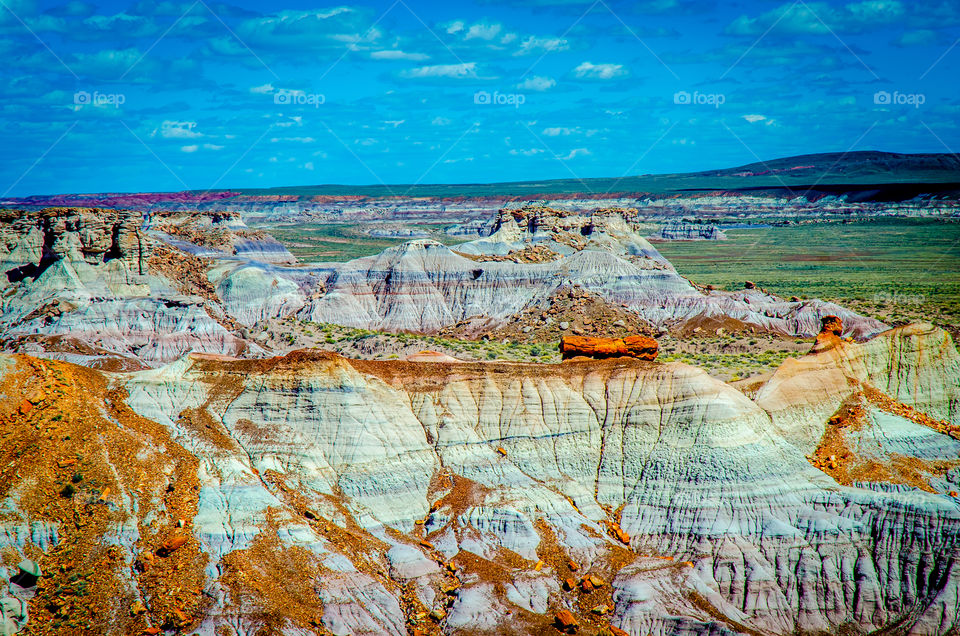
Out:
{"x": 315, "y": 494}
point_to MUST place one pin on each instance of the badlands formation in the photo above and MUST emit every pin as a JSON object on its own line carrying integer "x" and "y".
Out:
{"x": 120, "y": 291}
{"x": 315, "y": 494}
{"x": 161, "y": 472}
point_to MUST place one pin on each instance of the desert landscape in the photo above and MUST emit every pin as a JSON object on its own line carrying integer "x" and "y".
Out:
{"x": 504, "y": 417}
{"x": 479, "y": 318}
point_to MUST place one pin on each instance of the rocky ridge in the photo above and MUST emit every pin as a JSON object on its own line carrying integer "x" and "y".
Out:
{"x": 217, "y": 234}
{"x": 423, "y": 286}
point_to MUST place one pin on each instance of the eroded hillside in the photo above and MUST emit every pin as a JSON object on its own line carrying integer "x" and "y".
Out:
{"x": 311, "y": 493}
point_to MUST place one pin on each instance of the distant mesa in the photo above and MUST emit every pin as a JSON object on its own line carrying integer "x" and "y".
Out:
{"x": 397, "y": 233}
{"x": 855, "y": 176}
{"x": 688, "y": 231}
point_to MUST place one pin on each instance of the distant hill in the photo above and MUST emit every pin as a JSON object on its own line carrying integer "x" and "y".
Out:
{"x": 861, "y": 176}
{"x": 880, "y": 173}
{"x": 869, "y": 165}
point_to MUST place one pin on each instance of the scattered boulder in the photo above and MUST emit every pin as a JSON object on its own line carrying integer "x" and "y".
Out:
{"x": 28, "y": 575}
{"x": 640, "y": 347}
{"x": 619, "y": 533}
{"x": 171, "y": 544}
{"x": 566, "y": 621}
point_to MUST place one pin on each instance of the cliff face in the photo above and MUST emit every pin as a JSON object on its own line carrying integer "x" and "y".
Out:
{"x": 217, "y": 234}
{"x": 31, "y": 242}
{"x": 80, "y": 284}
{"x": 362, "y": 495}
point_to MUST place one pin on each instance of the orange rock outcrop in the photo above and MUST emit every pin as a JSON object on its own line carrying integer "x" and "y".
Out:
{"x": 829, "y": 337}
{"x": 640, "y": 347}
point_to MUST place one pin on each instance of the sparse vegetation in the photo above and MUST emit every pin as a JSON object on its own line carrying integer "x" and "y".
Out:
{"x": 897, "y": 270}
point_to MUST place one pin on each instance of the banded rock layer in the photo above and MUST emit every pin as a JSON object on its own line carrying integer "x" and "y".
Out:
{"x": 327, "y": 493}
{"x": 423, "y": 286}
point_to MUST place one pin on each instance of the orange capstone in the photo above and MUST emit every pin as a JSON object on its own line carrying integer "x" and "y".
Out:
{"x": 640, "y": 347}
{"x": 829, "y": 337}
{"x": 831, "y": 324}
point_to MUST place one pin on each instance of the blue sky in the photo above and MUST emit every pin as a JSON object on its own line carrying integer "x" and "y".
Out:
{"x": 158, "y": 96}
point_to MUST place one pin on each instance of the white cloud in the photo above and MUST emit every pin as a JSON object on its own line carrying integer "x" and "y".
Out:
{"x": 212, "y": 147}
{"x": 576, "y": 152}
{"x": 397, "y": 54}
{"x": 456, "y": 71}
{"x": 178, "y": 130}
{"x": 918, "y": 37}
{"x": 821, "y": 18}
{"x": 588, "y": 70}
{"x": 493, "y": 37}
{"x": 526, "y": 153}
{"x": 535, "y": 44}
{"x": 556, "y": 132}
{"x": 537, "y": 83}
{"x": 303, "y": 30}
{"x": 265, "y": 89}
{"x": 192, "y": 148}
{"x": 308, "y": 165}
{"x": 483, "y": 31}
{"x": 754, "y": 118}
{"x": 441, "y": 121}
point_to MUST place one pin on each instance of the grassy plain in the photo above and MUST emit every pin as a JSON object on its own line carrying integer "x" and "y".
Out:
{"x": 318, "y": 242}
{"x": 895, "y": 269}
